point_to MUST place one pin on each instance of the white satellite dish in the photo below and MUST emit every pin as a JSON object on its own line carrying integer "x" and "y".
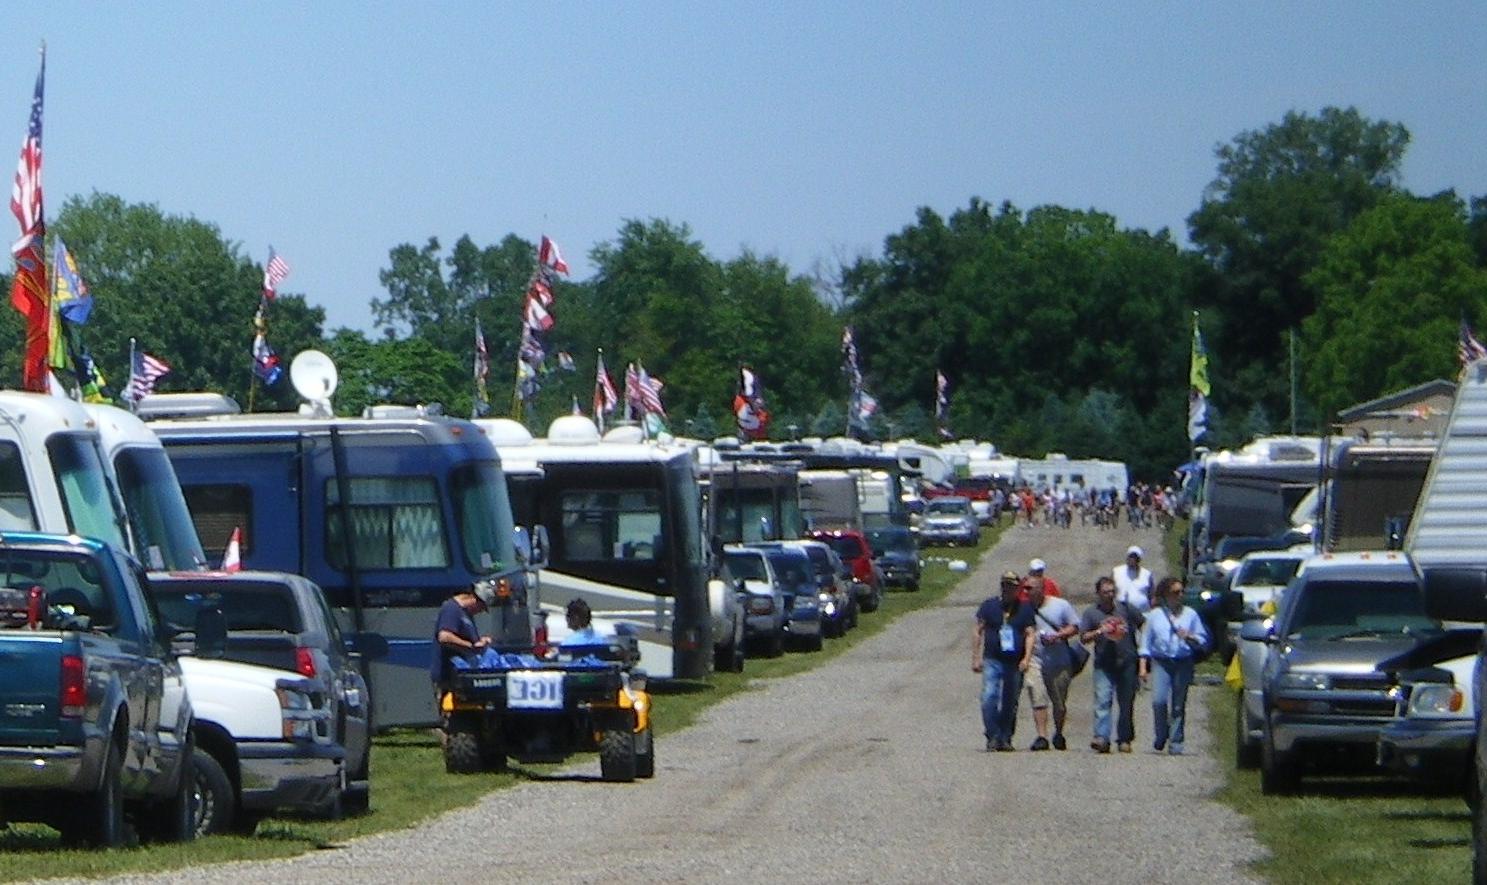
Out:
{"x": 314, "y": 377}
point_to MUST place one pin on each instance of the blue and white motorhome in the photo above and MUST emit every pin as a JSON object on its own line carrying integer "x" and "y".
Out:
{"x": 624, "y": 526}
{"x": 389, "y": 515}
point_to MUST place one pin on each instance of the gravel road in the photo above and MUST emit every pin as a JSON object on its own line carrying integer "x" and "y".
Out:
{"x": 868, "y": 768}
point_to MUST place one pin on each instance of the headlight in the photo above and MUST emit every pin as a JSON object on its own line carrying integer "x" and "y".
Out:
{"x": 1303, "y": 682}
{"x": 1228, "y": 565}
{"x": 1437, "y": 701}
{"x": 829, "y": 608}
{"x": 1207, "y": 595}
{"x": 823, "y": 598}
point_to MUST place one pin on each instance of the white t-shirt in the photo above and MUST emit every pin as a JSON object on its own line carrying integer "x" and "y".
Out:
{"x": 1135, "y": 592}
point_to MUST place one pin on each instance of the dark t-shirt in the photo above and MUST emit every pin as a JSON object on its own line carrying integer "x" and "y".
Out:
{"x": 1111, "y": 654}
{"x": 992, "y": 614}
{"x": 456, "y": 620}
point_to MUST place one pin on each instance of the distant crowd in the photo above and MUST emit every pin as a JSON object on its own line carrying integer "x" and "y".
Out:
{"x": 1144, "y": 505}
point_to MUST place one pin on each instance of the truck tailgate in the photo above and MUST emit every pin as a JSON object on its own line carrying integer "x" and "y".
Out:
{"x": 266, "y": 649}
{"x": 30, "y": 689}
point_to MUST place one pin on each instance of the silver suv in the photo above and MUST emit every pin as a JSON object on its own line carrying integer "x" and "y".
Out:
{"x": 1342, "y": 616}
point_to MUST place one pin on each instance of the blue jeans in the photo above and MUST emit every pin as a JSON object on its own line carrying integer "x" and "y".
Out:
{"x": 1170, "y": 680}
{"x": 1118, "y": 684}
{"x": 1001, "y": 683}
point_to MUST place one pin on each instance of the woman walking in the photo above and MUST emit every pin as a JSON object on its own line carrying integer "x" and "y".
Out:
{"x": 1171, "y": 640}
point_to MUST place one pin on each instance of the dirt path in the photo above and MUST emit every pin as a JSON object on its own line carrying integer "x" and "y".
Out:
{"x": 869, "y": 768}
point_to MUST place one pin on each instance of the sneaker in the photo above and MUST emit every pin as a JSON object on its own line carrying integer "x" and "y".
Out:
{"x": 1159, "y": 746}
{"x": 990, "y": 745}
{"x": 1123, "y": 746}
{"x": 1059, "y": 743}
{"x": 1005, "y": 747}
{"x": 1175, "y": 750}
{"x": 1039, "y": 744}
{"x": 1099, "y": 746}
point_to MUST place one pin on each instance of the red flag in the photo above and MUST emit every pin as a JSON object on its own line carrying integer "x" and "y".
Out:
{"x": 549, "y": 256}
{"x": 28, "y": 289}
{"x": 232, "y": 557}
{"x": 536, "y": 316}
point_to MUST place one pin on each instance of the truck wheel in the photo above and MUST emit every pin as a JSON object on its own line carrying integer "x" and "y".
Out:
{"x": 216, "y": 803}
{"x": 1278, "y": 771}
{"x": 617, "y": 755}
{"x": 462, "y": 747}
{"x": 493, "y": 753}
{"x": 174, "y": 819}
{"x": 775, "y": 645}
{"x": 1479, "y": 844}
{"x": 101, "y": 822}
{"x": 645, "y": 753}
{"x": 357, "y": 797}
{"x": 1246, "y": 751}
{"x": 814, "y": 643}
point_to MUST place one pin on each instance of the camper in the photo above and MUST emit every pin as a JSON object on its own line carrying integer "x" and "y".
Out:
{"x": 752, "y": 501}
{"x": 51, "y": 470}
{"x": 1061, "y": 473}
{"x": 829, "y": 499}
{"x": 624, "y": 523}
{"x": 1252, "y": 492}
{"x": 1369, "y": 497}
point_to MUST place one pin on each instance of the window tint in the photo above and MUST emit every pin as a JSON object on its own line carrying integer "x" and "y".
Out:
{"x": 482, "y": 512}
{"x": 396, "y": 523}
{"x": 16, "y": 509}
{"x": 611, "y": 525}
{"x": 246, "y": 607}
{"x": 164, "y": 535}
{"x": 1330, "y": 609}
{"x": 749, "y": 566}
{"x": 86, "y": 496}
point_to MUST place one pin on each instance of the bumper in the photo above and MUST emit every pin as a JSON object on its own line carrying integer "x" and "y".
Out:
{"x": 278, "y": 774}
{"x": 762, "y": 625}
{"x": 899, "y": 575}
{"x": 1422, "y": 746}
{"x": 42, "y": 768}
{"x": 1292, "y": 731}
{"x": 806, "y": 625}
{"x": 929, "y": 535}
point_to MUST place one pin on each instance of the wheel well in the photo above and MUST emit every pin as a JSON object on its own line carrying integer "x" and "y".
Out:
{"x": 214, "y": 740}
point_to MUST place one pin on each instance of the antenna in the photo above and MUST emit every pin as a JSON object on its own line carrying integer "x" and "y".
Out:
{"x": 314, "y": 377}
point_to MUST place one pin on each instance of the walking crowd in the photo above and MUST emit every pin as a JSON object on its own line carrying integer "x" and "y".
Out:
{"x": 1136, "y": 633}
{"x": 1144, "y": 505}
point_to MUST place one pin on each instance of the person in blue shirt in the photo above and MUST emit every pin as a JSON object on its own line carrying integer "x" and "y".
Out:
{"x": 455, "y": 633}
{"x": 581, "y": 624}
{"x": 1002, "y": 651}
{"x": 1170, "y": 641}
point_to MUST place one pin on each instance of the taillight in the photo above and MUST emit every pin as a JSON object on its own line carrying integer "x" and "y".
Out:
{"x": 74, "y": 686}
{"x": 539, "y": 641}
{"x": 304, "y": 662}
{"x": 34, "y": 606}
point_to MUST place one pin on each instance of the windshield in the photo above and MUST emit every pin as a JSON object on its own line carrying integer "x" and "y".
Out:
{"x": 746, "y": 515}
{"x": 950, "y": 505}
{"x": 895, "y": 539}
{"x": 164, "y": 535}
{"x": 792, "y": 570}
{"x": 749, "y": 566}
{"x": 1268, "y": 572}
{"x": 483, "y": 515}
{"x": 86, "y": 497}
{"x": 1337, "y": 609}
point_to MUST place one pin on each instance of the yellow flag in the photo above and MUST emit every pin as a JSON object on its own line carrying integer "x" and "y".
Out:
{"x": 1234, "y": 676}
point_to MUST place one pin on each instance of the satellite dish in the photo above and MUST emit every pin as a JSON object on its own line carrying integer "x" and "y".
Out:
{"x": 314, "y": 377}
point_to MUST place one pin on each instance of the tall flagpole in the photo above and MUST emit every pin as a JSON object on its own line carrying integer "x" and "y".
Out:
{"x": 133, "y": 403}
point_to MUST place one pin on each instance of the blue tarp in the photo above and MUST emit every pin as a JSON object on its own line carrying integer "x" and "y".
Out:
{"x": 490, "y": 659}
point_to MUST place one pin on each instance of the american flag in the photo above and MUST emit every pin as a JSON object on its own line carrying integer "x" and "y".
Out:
{"x": 549, "y": 256}
{"x": 1468, "y": 348}
{"x": 634, "y": 406}
{"x": 28, "y": 288}
{"x": 143, "y": 375}
{"x": 274, "y": 273}
{"x": 265, "y": 362}
{"x": 650, "y": 394}
{"x": 606, "y": 399}
{"x": 541, "y": 290}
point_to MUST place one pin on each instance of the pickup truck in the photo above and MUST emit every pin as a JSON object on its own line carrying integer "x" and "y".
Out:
{"x": 95, "y": 723}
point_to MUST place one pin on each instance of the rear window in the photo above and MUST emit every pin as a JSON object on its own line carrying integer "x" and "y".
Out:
{"x": 847, "y": 547}
{"x": 246, "y": 607}
{"x": 1266, "y": 572}
{"x": 749, "y": 566}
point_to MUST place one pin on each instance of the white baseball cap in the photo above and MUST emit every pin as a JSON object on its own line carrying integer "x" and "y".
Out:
{"x": 1037, "y": 565}
{"x": 1135, "y": 551}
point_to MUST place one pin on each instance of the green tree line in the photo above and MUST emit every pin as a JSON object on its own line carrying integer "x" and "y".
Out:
{"x": 1059, "y": 329}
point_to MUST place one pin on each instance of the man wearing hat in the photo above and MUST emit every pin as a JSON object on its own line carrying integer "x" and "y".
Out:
{"x": 1133, "y": 581}
{"x": 455, "y": 633}
{"x": 1037, "y": 569}
{"x": 1001, "y": 651}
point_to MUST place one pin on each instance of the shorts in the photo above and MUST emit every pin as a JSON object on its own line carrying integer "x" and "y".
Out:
{"x": 1051, "y": 689}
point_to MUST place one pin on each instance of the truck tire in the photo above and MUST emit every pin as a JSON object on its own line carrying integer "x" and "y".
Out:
{"x": 1279, "y": 774}
{"x": 215, "y": 799}
{"x": 462, "y": 747}
{"x": 493, "y": 753}
{"x": 1246, "y": 750}
{"x": 173, "y": 819}
{"x": 101, "y": 821}
{"x": 645, "y": 753}
{"x": 775, "y": 645}
{"x": 814, "y": 643}
{"x": 357, "y": 797}
{"x": 617, "y": 755}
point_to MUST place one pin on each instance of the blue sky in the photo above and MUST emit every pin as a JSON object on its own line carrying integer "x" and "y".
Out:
{"x": 810, "y": 131}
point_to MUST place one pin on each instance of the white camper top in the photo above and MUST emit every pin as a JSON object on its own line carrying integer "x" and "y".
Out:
{"x": 1449, "y": 527}
{"x": 27, "y": 422}
{"x": 570, "y": 442}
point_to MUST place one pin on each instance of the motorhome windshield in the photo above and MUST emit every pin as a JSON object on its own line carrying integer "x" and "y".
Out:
{"x": 16, "y": 510}
{"x": 86, "y": 497}
{"x": 483, "y": 512}
{"x": 164, "y": 535}
{"x": 612, "y": 525}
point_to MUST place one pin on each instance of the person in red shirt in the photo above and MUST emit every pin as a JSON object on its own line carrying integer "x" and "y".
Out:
{"x": 1036, "y": 568}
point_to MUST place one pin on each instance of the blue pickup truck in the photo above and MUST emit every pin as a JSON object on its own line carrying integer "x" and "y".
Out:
{"x": 95, "y": 725}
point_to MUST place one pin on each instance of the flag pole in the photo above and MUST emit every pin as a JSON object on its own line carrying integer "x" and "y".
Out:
{"x": 598, "y": 408}
{"x": 133, "y": 403}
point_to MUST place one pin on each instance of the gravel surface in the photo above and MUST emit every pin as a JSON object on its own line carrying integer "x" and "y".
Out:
{"x": 868, "y": 768}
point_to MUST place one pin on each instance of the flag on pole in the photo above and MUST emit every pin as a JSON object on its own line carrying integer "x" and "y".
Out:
{"x": 565, "y": 361}
{"x": 1198, "y": 388}
{"x": 634, "y": 407}
{"x": 606, "y": 399}
{"x": 549, "y": 256}
{"x": 29, "y": 293}
{"x": 849, "y": 356}
{"x": 274, "y": 273}
{"x": 1468, "y": 348}
{"x": 265, "y": 362}
{"x": 69, "y": 293}
{"x": 143, "y": 375}
{"x": 232, "y": 557}
{"x": 650, "y": 393}
{"x": 748, "y": 406}
{"x": 482, "y": 370}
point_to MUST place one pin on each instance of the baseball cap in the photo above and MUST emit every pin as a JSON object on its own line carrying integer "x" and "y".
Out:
{"x": 1135, "y": 551}
{"x": 1037, "y": 565}
{"x": 1010, "y": 577}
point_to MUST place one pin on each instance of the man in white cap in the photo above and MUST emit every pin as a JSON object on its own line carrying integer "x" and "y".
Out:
{"x": 1036, "y": 569}
{"x": 1133, "y": 581}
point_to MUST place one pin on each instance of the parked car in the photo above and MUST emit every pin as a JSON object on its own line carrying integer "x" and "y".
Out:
{"x": 1435, "y": 733}
{"x": 1259, "y": 578}
{"x": 282, "y": 621}
{"x": 851, "y": 545}
{"x": 95, "y": 722}
{"x": 764, "y": 623}
{"x": 792, "y": 567}
{"x": 896, "y": 551}
{"x": 1321, "y": 689}
{"x": 728, "y": 609}
{"x": 838, "y": 602}
{"x": 949, "y": 521}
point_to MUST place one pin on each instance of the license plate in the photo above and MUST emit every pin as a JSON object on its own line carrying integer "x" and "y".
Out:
{"x": 530, "y": 690}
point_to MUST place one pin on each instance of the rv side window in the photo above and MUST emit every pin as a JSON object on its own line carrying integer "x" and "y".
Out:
{"x": 16, "y": 510}
{"x": 218, "y": 509}
{"x": 86, "y": 497}
{"x": 611, "y": 525}
{"x": 396, "y": 523}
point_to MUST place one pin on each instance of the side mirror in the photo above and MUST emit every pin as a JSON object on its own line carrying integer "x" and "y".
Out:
{"x": 371, "y": 646}
{"x": 1257, "y": 631}
{"x": 211, "y": 632}
{"x": 537, "y": 555}
{"x": 1456, "y": 593}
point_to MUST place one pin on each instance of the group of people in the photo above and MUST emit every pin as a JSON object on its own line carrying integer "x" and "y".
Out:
{"x": 1028, "y": 637}
{"x": 1144, "y": 504}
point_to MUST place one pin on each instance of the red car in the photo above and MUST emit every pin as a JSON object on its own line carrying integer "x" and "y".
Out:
{"x": 852, "y": 546}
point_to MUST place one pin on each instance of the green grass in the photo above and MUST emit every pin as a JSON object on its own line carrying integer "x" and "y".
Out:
{"x": 409, "y": 783}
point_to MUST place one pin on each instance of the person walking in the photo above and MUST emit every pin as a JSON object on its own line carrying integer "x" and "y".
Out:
{"x": 1001, "y": 651}
{"x": 1170, "y": 642}
{"x": 1037, "y": 568}
{"x": 1112, "y": 626}
{"x": 1133, "y": 580}
{"x": 1051, "y": 669}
